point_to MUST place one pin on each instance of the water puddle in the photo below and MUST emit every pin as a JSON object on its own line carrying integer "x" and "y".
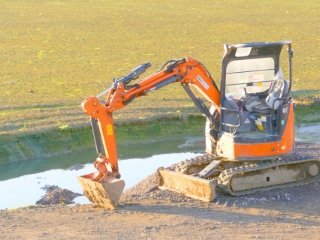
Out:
{"x": 23, "y": 183}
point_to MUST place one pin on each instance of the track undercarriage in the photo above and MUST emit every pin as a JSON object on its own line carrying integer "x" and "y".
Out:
{"x": 242, "y": 178}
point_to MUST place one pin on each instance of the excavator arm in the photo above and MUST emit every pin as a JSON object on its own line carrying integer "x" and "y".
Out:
{"x": 186, "y": 71}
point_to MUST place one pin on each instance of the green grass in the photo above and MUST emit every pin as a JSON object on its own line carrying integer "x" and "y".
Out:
{"x": 56, "y": 53}
{"x": 307, "y": 109}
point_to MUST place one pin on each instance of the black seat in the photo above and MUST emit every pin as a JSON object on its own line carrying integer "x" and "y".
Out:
{"x": 278, "y": 93}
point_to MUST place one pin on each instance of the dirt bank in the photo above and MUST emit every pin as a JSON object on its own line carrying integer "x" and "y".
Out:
{"x": 34, "y": 144}
{"x": 148, "y": 213}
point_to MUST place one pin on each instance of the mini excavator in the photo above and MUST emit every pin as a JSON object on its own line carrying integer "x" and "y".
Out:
{"x": 249, "y": 131}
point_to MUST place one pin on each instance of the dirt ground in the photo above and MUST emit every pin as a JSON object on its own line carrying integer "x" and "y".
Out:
{"x": 146, "y": 212}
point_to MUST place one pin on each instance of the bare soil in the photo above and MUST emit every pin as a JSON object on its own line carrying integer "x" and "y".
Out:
{"x": 146, "y": 212}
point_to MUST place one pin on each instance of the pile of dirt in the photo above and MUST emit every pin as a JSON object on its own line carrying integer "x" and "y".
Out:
{"x": 148, "y": 189}
{"x": 56, "y": 195}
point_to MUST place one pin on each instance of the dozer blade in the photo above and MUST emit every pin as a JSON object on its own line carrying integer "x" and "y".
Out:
{"x": 188, "y": 185}
{"x": 105, "y": 193}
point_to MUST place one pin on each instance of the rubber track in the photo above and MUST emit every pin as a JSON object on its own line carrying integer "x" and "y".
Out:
{"x": 225, "y": 177}
{"x": 205, "y": 159}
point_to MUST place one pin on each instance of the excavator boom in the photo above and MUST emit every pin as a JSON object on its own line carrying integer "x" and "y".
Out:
{"x": 105, "y": 186}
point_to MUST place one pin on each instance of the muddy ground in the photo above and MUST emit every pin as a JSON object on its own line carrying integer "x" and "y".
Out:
{"x": 148, "y": 213}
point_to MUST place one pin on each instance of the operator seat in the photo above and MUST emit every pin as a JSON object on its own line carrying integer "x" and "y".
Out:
{"x": 279, "y": 89}
{"x": 278, "y": 93}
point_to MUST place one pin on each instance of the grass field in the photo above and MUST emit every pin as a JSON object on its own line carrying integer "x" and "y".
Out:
{"x": 56, "y": 53}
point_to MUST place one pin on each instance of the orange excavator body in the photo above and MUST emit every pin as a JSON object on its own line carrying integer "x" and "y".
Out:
{"x": 267, "y": 150}
{"x": 251, "y": 130}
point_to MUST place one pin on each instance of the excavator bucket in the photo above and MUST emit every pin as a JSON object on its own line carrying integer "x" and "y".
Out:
{"x": 188, "y": 185}
{"x": 105, "y": 193}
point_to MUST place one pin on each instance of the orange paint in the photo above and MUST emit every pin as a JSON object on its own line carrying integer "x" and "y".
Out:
{"x": 269, "y": 149}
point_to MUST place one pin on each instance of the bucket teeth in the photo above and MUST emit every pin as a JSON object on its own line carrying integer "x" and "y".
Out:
{"x": 105, "y": 193}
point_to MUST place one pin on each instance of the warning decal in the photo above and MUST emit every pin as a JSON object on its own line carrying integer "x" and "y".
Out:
{"x": 247, "y": 121}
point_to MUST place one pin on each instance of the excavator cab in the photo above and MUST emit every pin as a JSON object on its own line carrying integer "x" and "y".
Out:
{"x": 257, "y": 120}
